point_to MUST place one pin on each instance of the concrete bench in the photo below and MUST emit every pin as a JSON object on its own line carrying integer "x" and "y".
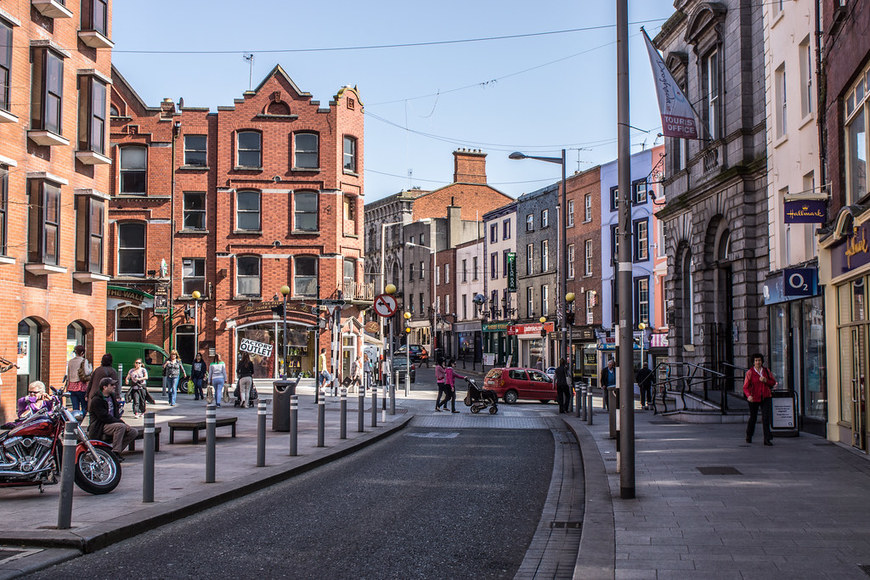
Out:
{"x": 140, "y": 437}
{"x": 197, "y": 425}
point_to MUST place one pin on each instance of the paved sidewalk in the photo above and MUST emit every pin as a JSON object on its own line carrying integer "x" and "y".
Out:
{"x": 709, "y": 505}
{"x": 30, "y": 518}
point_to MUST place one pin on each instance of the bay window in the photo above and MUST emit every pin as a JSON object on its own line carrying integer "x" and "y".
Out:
{"x": 43, "y": 233}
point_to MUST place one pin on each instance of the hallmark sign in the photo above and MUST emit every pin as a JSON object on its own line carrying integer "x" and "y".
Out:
{"x": 810, "y": 211}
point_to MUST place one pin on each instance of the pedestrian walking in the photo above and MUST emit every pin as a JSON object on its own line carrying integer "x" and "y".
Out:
{"x": 217, "y": 378}
{"x": 608, "y": 379}
{"x": 450, "y": 378}
{"x": 78, "y": 377}
{"x": 386, "y": 371}
{"x": 323, "y": 375}
{"x": 644, "y": 379}
{"x": 441, "y": 382}
{"x": 368, "y": 371}
{"x": 355, "y": 374}
{"x": 245, "y": 374}
{"x": 173, "y": 371}
{"x": 757, "y": 387}
{"x": 104, "y": 370}
{"x": 563, "y": 386}
{"x": 198, "y": 371}
{"x": 105, "y": 418}
{"x": 137, "y": 378}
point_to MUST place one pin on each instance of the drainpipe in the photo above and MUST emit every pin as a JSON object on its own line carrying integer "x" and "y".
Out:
{"x": 176, "y": 129}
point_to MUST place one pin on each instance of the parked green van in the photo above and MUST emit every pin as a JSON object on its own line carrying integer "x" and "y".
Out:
{"x": 124, "y": 354}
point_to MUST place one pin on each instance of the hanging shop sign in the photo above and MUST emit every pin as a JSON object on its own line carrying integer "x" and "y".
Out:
{"x": 512, "y": 271}
{"x": 254, "y": 347}
{"x": 851, "y": 253}
{"x": 800, "y": 281}
{"x": 495, "y": 326}
{"x": 806, "y": 211}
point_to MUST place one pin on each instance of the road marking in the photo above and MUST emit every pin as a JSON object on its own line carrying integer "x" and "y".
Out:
{"x": 435, "y": 435}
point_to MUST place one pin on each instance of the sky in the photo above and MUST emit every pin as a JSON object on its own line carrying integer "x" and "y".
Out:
{"x": 536, "y": 94}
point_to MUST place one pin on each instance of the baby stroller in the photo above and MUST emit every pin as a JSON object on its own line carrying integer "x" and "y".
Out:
{"x": 479, "y": 398}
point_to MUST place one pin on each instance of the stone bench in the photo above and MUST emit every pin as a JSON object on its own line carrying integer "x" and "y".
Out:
{"x": 197, "y": 425}
{"x": 141, "y": 437}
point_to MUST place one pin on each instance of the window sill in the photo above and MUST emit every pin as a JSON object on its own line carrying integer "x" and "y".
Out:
{"x": 248, "y": 232}
{"x": 90, "y": 277}
{"x": 92, "y": 158}
{"x": 780, "y": 140}
{"x": 248, "y": 298}
{"x": 349, "y": 172}
{"x": 192, "y": 232}
{"x": 46, "y": 138}
{"x": 95, "y": 39}
{"x": 306, "y": 169}
{"x": 305, "y": 232}
{"x": 189, "y": 298}
{"x": 6, "y": 260}
{"x": 806, "y": 120}
{"x": 7, "y": 117}
{"x": 354, "y": 236}
{"x": 44, "y": 269}
{"x": 52, "y": 9}
{"x": 193, "y": 168}
{"x": 123, "y": 196}
{"x": 241, "y": 168}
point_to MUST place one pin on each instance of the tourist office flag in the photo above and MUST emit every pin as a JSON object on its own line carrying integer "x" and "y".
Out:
{"x": 678, "y": 117}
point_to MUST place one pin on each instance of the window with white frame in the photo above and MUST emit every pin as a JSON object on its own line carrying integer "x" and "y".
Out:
{"x": 349, "y": 154}
{"x": 195, "y": 153}
{"x": 305, "y": 276}
{"x": 133, "y": 169}
{"x": 306, "y": 154}
{"x": 305, "y": 211}
{"x": 856, "y": 138}
{"x": 587, "y": 258}
{"x": 614, "y": 198}
{"x": 4, "y": 212}
{"x": 248, "y": 276}
{"x": 641, "y": 300}
{"x": 530, "y": 256}
{"x": 447, "y": 303}
{"x": 712, "y": 101}
{"x": 806, "y": 59}
{"x": 639, "y": 191}
{"x": 587, "y": 207}
{"x": 248, "y": 211}
{"x": 545, "y": 300}
{"x": 194, "y": 210}
{"x": 545, "y": 218}
{"x": 131, "y": 249}
{"x": 192, "y": 276}
{"x": 780, "y": 95}
{"x": 249, "y": 150}
{"x": 570, "y": 261}
{"x": 570, "y": 215}
{"x": 422, "y": 272}
{"x": 590, "y": 304}
{"x": 545, "y": 255}
{"x": 614, "y": 243}
{"x": 530, "y": 302}
{"x": 530, "y": 222}
{"x": 437, "y": 275}
{"x": 447, "y": 273}
{"x": 641, "y": 239}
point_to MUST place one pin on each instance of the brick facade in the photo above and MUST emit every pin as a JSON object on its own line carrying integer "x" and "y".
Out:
{"x": 49, "y": 302}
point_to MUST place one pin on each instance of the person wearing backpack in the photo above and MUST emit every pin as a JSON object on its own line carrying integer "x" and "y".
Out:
{"x": 78, "y": 375}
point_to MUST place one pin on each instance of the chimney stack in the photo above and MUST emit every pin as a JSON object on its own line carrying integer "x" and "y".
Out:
{"x": 469, "y": 166}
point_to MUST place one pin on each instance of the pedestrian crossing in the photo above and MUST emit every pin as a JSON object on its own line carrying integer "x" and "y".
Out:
{"x": 465, "y": 420}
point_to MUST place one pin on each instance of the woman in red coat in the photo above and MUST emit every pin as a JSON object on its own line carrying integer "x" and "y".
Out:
{"x": 757, "y": 385}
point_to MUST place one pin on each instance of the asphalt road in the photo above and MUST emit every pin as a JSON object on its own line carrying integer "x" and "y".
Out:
{"x": 425, "y": 503}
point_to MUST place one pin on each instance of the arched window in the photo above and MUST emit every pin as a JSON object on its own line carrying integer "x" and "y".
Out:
{"x": 688, "y": 299}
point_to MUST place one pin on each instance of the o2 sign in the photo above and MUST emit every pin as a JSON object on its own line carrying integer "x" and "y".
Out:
{"x": 799, "y": 281}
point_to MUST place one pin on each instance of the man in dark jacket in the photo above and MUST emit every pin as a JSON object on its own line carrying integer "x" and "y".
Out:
{"x": 563, "y": 388}
{"x": 607, "y": 379}
{"x": 105, "y": 418}
{"x": 644, "y": 379}
{"x": 104, "y": 370}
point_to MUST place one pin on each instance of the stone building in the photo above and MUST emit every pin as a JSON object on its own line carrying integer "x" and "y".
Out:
{"x": 55, "y": 175}
{"x": 716, "y": 208}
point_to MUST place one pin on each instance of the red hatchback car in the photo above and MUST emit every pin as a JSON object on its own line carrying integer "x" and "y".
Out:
{"x": 512, "y": 384}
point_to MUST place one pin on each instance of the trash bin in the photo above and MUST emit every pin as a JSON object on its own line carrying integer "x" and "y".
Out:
{"x": 613, "y": 408}
{"x": 281, "y": 392}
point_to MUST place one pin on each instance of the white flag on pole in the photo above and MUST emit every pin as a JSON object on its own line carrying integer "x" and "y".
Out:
{"x": 678, "y": 117}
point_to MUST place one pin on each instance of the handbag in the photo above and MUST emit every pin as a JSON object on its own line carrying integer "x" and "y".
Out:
{"x": 83, "y": 376}
{"x": 253, "y": 396}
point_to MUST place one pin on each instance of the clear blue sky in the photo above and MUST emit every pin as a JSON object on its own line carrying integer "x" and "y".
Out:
{"x": 570, "y": 103}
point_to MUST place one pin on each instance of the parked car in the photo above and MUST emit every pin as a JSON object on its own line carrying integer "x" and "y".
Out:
{"x": 512, "y": 384}
{"x": 124, "y": 354}
{"x": 400, "y": 365}
{"x": 418, "y": 353}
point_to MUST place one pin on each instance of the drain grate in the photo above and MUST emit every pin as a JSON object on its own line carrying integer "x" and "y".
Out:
{"x": 573, "y": 525}
{"x": 718, "y": 470}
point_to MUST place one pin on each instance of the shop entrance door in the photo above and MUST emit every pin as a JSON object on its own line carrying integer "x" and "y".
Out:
{"x": 859, "y": 405}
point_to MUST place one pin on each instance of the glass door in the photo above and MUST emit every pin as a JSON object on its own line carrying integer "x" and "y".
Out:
{"x": 859, "y": 405}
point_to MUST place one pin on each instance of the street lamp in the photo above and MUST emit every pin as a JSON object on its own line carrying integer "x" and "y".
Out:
{"x": 642, "y": 328}
{"x": 543, "y": 322}
{"x": 285, "y": 290}
{"x": 407, "y": 316}
{"x": 569, "y": 317}
{"x": 390, "y": 289}
{"x": 563, "y": 249}
{"x": 196, "y": 296}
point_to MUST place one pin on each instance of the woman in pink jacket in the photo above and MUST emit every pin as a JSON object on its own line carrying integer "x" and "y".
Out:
{"x": 757, "y": 388}
{"x": 450, "y": 378}
{"x": 441, "y": 384}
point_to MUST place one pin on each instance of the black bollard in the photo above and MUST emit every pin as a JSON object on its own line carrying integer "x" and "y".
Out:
{"x": 261, "y": 433}
{"x": 321, "y": 419}
{"x": 375, "y": 407}
{"x": 210, "y": 426}
{"x": 67, "y": 476}
{"x": 578, "y": 398}
{"x": 360, "y": 415}
{"x": 589, "y": 407}
{"x": 343, "y": 411}
{"x": 294, "y": 421}
{"x": 148, "y": 459}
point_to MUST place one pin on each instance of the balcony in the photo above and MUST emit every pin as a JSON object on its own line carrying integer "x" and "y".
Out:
{"x": 358, "y": 292}
{"x": 95, "y": 39}
{"x": 52, "y": 8}
{"x": 93, "y": 158}
{"x": 47, "y": 138}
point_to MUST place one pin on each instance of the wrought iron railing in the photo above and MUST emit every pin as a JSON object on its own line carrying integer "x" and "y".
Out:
{"x": 688, "y": 378}
{"x": 358, "y": 291}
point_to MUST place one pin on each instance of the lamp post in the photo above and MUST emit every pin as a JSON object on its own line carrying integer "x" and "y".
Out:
{"x": 543, "y": 322}
{"x": 384, "y": 274}
{"x": 285, "y": 291}
{"x": 407, "y": 316}
{"x": 569, "y": 317}
{"x": 390, "y": 289}
{"x": 563, "y": 249}
{"x": 196, "y": 296}
{"x": 642, "y": 328}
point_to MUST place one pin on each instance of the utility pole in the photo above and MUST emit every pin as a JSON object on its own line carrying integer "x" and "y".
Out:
{"x": 625, "y": 350}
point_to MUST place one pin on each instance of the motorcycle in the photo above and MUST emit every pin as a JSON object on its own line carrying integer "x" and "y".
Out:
{"x": 31, "y": 451}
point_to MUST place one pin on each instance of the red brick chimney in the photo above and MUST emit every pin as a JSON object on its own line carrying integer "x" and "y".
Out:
{"x": 469, "y": 166}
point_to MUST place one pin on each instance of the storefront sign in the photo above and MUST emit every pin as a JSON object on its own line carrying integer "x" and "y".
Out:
{"x": 254, "y": 347}
{"x": 372, "y": 327}
{"x": 809, "y": 211}
{"x": 799, "y": 281}
{"x": 658, "y": 341}
{"x": 783, "y": 404}
{"x": 495, "y": 326}
{"x": 515, "y": 329}
{"x": 252, "y": 307}
{"x": 852, "y": 253}
{"x": 512, "y": 271}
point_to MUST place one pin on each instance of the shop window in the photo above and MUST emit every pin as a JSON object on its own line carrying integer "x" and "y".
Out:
{"x": 192, "y": 276}
{"x": 47, "y": 91}
{"x": 43, "y": 235}
{"x": 249, "y": 149}
{"x": 194, "y": 210}
{"x": 92, "y": 115}
{"x": 133, "y": 169}
{"x": 131, "y": 249}
{"x": 128, "y": 325}
{"x": 305, "y": 276}
{"x": 195, "y": 150}
{"x": 305, "y": 211}
{"x": 90, "y": 216}
{"x": 248, "y": 276}
{"x": 306, "y": 153}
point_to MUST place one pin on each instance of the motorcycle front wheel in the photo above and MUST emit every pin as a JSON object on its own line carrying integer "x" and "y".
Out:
{"x": 100, "y": 474}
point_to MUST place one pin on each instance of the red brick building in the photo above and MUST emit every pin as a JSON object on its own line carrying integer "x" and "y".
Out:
{"x": 55, "y": 173}
{"x": 235, "y": 204}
